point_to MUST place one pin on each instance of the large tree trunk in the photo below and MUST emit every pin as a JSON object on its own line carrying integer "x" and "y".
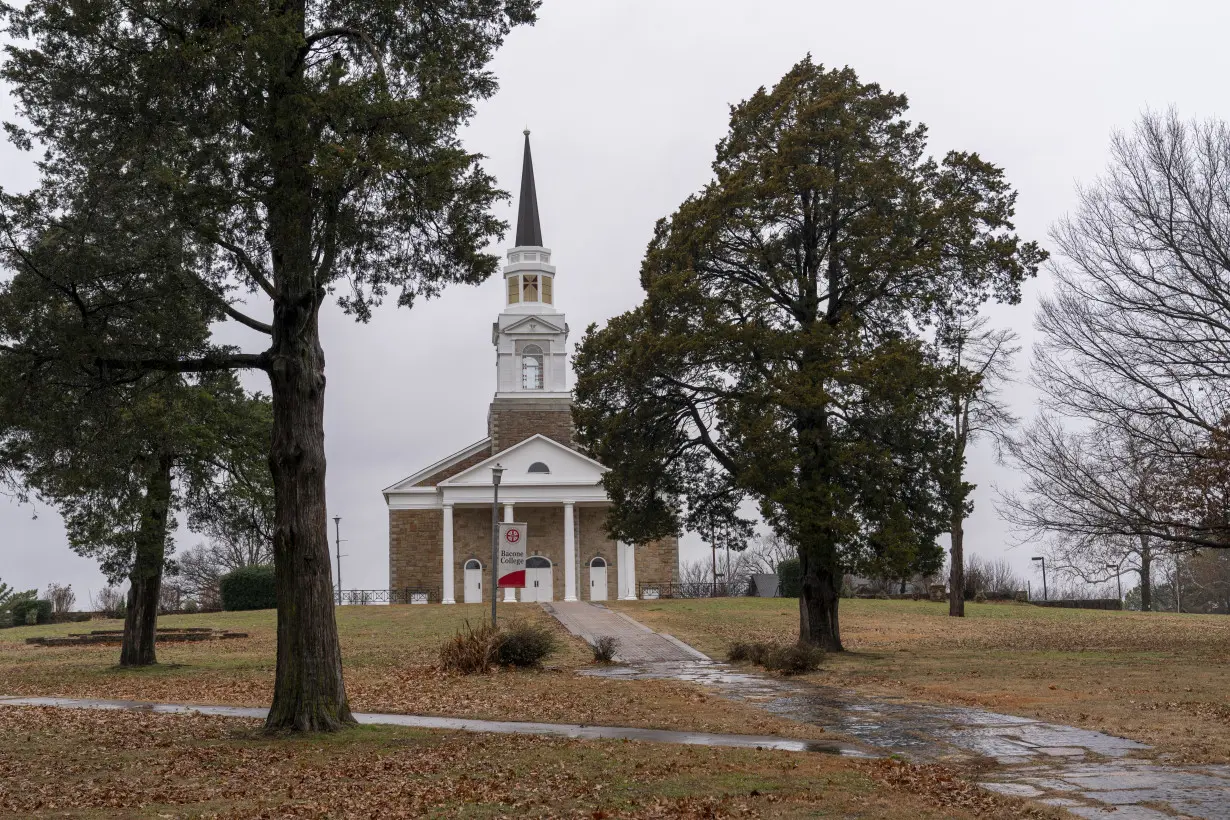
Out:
{"x": 818, "y": 600}
{"x": 956, "y": 571}
{"x": 309, "y": 694}
{"x": 145, "y": 579}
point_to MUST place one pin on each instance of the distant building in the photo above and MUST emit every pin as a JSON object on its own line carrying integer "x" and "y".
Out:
{"x": 440, "y": 517}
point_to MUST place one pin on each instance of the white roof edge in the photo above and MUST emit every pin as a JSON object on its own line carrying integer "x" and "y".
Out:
{"x": 439, "y": 465}
{"x": 448, "y": 482}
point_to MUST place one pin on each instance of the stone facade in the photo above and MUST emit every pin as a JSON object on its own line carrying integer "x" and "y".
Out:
{"x": 658, "y": 561}
{"x": 513, "y": 420}
{"x": 416, "y": 549}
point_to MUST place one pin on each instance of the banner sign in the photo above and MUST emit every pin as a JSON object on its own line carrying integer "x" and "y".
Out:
{"x": 511, "y": 568}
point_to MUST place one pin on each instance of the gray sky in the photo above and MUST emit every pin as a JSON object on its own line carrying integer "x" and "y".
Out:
{"x": 626, "y": 99}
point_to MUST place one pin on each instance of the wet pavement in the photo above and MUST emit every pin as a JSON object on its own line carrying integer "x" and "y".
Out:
{"x": 564, "y": 730}
{"x": 1090, "y": 774}
{"x": 637, "y": 643}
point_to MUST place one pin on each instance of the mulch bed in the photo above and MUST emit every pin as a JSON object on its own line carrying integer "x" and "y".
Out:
{"x": 116, "y": 636}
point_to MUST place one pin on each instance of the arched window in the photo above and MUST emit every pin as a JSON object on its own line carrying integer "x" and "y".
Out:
{"x": 474, "y": 563}
{"x": 537, "y": 562}
{"x": 531, "y": 368}
{"x": 539, "y": 467}
{"x": 598, "y": 562}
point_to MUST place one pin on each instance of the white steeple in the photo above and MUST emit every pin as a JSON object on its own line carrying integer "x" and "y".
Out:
{"x": 530, "y": 336}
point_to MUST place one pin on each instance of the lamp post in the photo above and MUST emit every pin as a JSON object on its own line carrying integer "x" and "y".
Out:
{"x": 496, "y": 472}
{"x": 337, "y": 523}
{"x": 1118, "y": 580}
{"x": 1043, "y": 560}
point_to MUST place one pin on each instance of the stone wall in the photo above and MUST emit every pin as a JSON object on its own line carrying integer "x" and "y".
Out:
{"x": 658, "y": 561}
{"x": 416, "y": 548}
{"x": 511, "y": 421}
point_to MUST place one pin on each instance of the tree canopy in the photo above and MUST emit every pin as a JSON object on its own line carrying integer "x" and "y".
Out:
{"x": 778, "y": 354}
{"x": 295, "y": 151}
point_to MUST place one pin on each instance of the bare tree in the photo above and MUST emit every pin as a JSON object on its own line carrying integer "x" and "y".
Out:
{"x": 62, "y": 597}
{"x": 1137, "y": 333}
{"x": 980, "y": 361}
{"x": 1093, "y": 498}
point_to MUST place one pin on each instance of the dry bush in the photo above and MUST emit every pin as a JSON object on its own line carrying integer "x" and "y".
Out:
{"x": 474, "y": 651}
{"x": 794, "y": 660}
{"x": 525, "y": 644}
{"x": 471, "y": 651}
{"x": 749, "y": 652}
{"x": 605, "y": 649}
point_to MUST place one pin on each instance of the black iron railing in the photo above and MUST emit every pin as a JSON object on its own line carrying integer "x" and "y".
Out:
{"x": 688, "y": 589}
{"x": 409, "y": 595}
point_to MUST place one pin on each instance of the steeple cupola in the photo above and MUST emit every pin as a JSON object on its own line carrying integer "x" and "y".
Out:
{"x": 530, "y": 335}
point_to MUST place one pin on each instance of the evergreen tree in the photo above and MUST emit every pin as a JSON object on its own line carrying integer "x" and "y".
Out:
{"x": 777, "y": 355}
{"x": 116, "y": 453}
{"x": 299, "y": 148}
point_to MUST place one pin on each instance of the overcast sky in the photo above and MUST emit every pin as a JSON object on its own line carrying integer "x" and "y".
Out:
{"x": 626, "y": 99}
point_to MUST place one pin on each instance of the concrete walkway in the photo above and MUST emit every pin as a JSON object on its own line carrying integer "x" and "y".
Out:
{"x": 1090, "y": 774}
{"x": 504, "y": 727}
{"x": 637, "y": 642}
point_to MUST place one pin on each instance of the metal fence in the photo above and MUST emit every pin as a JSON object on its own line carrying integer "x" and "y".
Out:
{"x": 409, "y": 595}
{"x": 648, "y": 590}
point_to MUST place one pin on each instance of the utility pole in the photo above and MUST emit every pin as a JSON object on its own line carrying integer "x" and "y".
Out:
{"x": 337, "y": 523}
{"x": 1043, "y": 560}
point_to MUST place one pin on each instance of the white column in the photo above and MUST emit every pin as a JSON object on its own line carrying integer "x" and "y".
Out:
{"x": 510, "y": 594}
{"x": 621, "y": 569}
{"x": 570, "y": 554}
{"x": 448, "y": 591}
{"x": 628, "y": 557}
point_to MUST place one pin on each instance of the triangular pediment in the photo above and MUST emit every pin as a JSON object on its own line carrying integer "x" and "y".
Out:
{"x": 534, "y": 323}
{"x": 565, "y": 466}
{"x": 440, "y": 466}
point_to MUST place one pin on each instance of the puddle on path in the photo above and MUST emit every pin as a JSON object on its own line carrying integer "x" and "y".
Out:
{"x": 564, "y": 730}
{"x": 1091, "y": 774}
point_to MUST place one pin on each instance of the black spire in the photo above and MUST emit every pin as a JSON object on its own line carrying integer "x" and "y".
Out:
{"x": 529, "y": 229}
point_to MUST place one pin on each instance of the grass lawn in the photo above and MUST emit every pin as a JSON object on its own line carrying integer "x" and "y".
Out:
{"x": 71, "y": 763}
{"x": 389, "y": 654}
{"x": 1159, "y": 678}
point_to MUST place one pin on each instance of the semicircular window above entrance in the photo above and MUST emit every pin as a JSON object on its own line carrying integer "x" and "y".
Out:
{"x": 537, "y": 562}
{"x": 473, "y": 563}
{"x": 598, "y": 562}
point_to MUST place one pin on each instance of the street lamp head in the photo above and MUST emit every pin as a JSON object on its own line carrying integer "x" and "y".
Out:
{"x": 1037, "y": 558}
{"x": 336, "y": 518}
{"x": 496, "y": 472}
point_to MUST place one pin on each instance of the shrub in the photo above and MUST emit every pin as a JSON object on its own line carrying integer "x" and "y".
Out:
{"x": 31, "y": 611}
{"x": 794, "y": 660}
{"x": 790, "y": 578}
{"x": 471, "y": 650}
{"x": 249, "y": 588}
{"x": 749, "y": 652}
{"x": 191, "y": 606}
{"x": 525, "y": 644}
{"x": 605, "y": 649}
{"x": 980, "y": 597}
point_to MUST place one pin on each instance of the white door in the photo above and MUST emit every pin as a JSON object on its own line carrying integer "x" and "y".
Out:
{"x": 538, "y": 579}
{"x": 597, "y": 579}
{"x": 474, "y": 582}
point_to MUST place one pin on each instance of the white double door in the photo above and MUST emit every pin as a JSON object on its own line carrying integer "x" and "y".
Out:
{"x": 539, "y": 580}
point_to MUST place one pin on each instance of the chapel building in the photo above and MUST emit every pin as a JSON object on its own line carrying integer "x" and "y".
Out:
{"x": 440, "y": 517}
